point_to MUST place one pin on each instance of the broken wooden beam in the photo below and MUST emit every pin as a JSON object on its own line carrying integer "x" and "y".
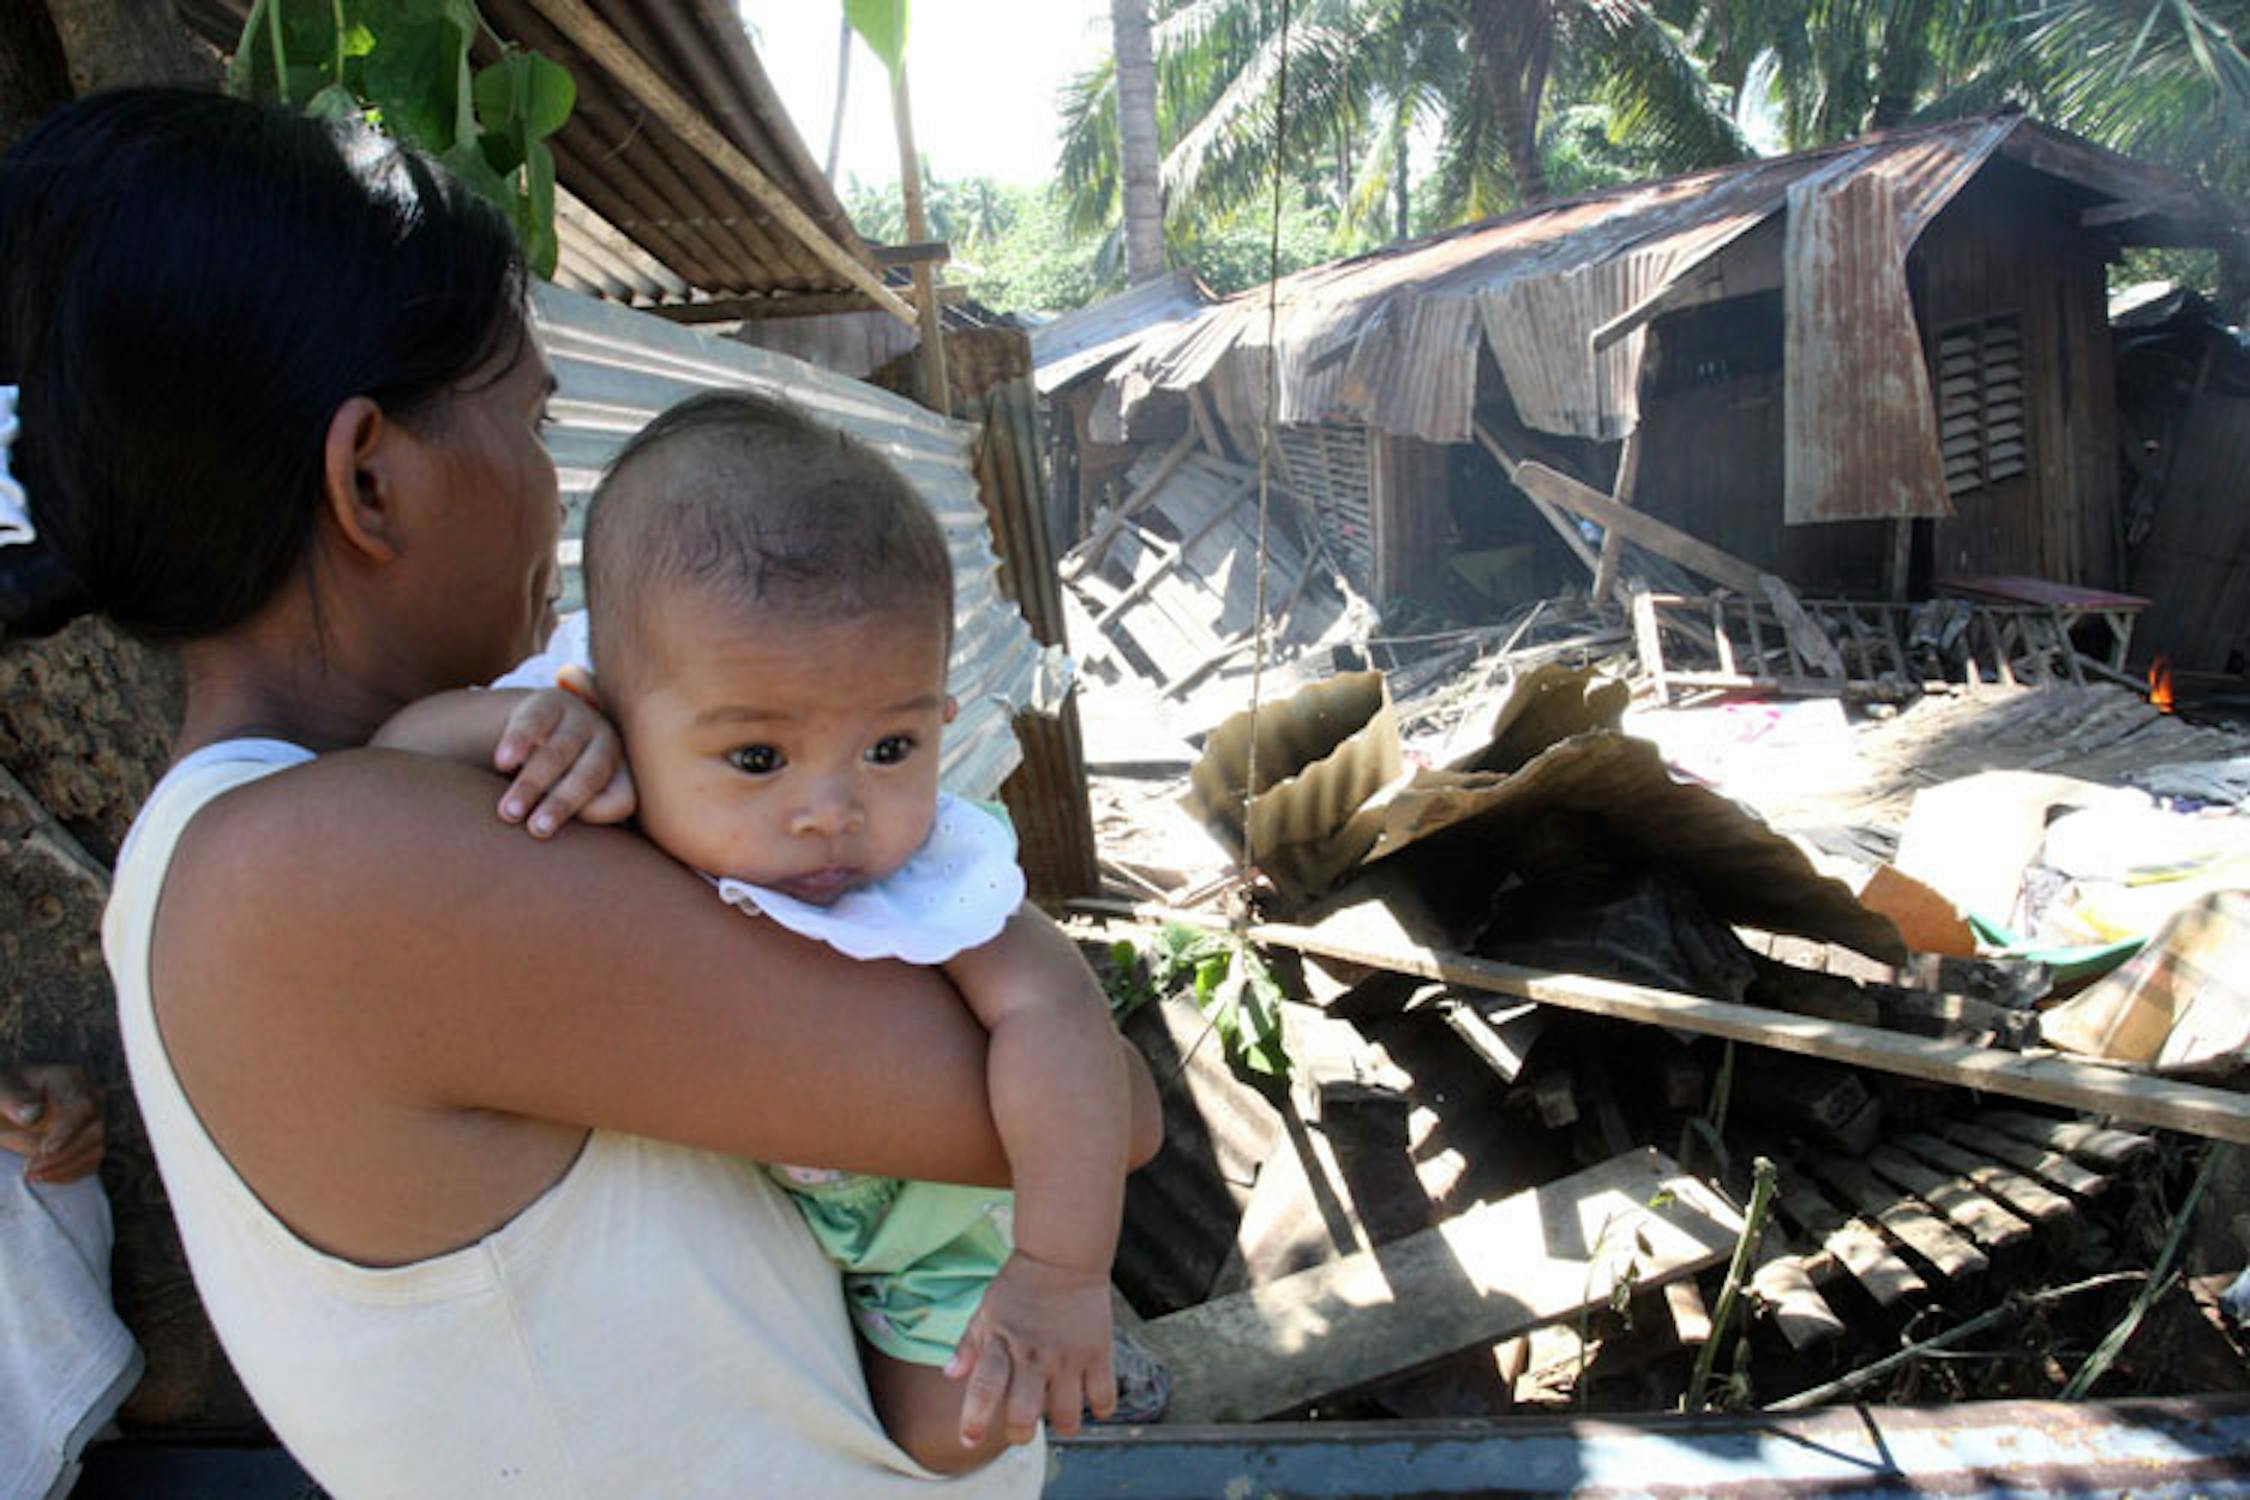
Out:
{"x": 1088, "y": 553}
{"x": 1172, "y": 557}
{"x": 1502, "y": 1036}
{"x": 1691, "y": 1320}
{"x": 1904, "y": 1218}
{"x": 1697, "y": 556}
{"x": 1854, "y": 1243}
{"x": 1959, "y": 1200}
{"x": 1511, "y": 466}
{"x": 2048, "y": 1166}
{"x": 2040, "y": 1204}
{"x": 1486, "y": 1275}
{"x": 1786, "y": 1288}
{"x": 2103, "y": 1147}
{"x": 1613, "y": 542}
{"x": 1375, "y": 939}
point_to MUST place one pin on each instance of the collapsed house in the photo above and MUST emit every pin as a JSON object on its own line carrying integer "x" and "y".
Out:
{"x": 1512, "y": 944}
{"x": 1862, "y": 369}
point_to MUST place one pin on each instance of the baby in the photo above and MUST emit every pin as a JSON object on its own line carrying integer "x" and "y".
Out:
{"x": 770, "y": 614}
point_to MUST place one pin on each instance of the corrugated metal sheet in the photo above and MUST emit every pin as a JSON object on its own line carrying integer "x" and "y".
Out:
{"x": 1080, "y": 342}
{"x": 617, "y": 368}
{"x": 1861, "y": 432}
{"x": 1392, "y": 338}
{"x": 2192, "y": 1449}
{"x": 2173, "y": 1449}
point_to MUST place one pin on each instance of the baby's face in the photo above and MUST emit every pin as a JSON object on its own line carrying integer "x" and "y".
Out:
{"x": 793, "y": 754}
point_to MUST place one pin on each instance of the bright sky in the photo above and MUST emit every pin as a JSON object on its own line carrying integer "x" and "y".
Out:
{"x": 982, "y": 74}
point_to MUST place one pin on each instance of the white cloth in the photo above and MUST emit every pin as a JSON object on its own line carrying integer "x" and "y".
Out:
{"x": 954, "y": 893}
{"x": 658, "y": 1322}
{"x": 567, "y": 646}
{"x": 65, "y": 1360}
{"x": 15, "y": 505}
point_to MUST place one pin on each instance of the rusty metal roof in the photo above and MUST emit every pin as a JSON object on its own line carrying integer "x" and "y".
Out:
{"x": 644, "y": 218}
{"x": 1561, "y": 294}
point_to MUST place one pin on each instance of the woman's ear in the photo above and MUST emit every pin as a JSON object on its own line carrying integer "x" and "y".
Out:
{"x": 358, "y": 479}
{"x": 952, "y": 707}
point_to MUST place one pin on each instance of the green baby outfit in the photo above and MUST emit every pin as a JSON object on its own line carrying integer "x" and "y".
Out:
{"x": 916, "y": 1256}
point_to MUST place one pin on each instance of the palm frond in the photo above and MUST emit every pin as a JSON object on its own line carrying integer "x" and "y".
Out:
{"x": 1658, "y": 96}
{"x": 1225, "y": 158}
{"x": 1087, "y": 168}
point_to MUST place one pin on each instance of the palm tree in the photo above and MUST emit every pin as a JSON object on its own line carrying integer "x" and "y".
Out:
{"x": 2166, "y": 80}
{"x": 1362, "y": 75}
{"x": 1136, "y": 135}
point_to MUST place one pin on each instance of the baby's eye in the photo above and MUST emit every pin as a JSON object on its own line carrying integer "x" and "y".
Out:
{"x": 891, "y": 749}
{"x": 755, "y": 760}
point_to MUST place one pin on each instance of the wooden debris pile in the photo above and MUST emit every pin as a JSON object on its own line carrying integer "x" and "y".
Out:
{"x": 1546, "y": 1006}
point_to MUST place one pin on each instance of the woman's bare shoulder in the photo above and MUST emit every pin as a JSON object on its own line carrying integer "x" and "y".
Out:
{"x": 369, "y": 912}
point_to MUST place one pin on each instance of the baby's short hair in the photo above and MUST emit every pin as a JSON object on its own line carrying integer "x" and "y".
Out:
{"x": 745, "y": 496}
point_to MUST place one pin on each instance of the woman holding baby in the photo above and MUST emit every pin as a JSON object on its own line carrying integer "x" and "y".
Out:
{"x": 461, "y": 1126}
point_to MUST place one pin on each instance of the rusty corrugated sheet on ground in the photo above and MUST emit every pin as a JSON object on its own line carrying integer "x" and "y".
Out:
{"x": 1392, "y": 338}
{"x": 1321, "y": 757}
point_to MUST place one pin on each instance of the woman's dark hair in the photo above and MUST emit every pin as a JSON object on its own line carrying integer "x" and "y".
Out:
{"x": 192, "y": 285}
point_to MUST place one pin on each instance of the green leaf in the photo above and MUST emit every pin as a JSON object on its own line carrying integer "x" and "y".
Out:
{"x": 334, "y": 103}
{"x": 1210, "y": 981}
{"x": 550, "y": 94}
{"x": 525, "y": 94}
{"x": 466, "y": 161}
{"x": 412, "y": 77}
{"x": 542, "y": 246}
{"x": 882, "y": 25}
{"x": 250, "y": 53}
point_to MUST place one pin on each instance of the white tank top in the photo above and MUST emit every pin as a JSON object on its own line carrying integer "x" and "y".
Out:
{"x": 657, "y": 1323}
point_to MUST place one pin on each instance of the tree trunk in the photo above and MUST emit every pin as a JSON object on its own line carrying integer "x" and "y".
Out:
{"x": 843, "y": 86}
{"x": 2234, "y": 279}
{"x": 85, "y": 727}
{"x": 1399, "y": 173}
{"x": 1510, "y": 40}
{"x": 110, "y": 43}
{"x": 34, "y": 78}
{"x": 1139, "y": 166}
{"x": 1904, "y": 62}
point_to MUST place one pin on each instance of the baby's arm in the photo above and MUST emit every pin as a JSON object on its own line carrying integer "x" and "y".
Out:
{"x": 565, "y": 756}
{"x": 1061, "y": 1099}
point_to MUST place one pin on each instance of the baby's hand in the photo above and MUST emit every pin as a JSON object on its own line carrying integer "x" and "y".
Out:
{"x": 568, "y": 762}
{"x": 1039, "y": 1343}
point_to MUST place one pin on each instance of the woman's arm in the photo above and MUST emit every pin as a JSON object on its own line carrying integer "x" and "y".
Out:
{"x": 397, "y": 1015}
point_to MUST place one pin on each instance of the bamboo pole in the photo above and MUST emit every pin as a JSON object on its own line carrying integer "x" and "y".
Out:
{"x": 935, "y": 394}
{"x": 593, "y": 36}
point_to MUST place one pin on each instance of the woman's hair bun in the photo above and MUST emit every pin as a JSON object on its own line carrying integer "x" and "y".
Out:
{"x": 38, "y": 595}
